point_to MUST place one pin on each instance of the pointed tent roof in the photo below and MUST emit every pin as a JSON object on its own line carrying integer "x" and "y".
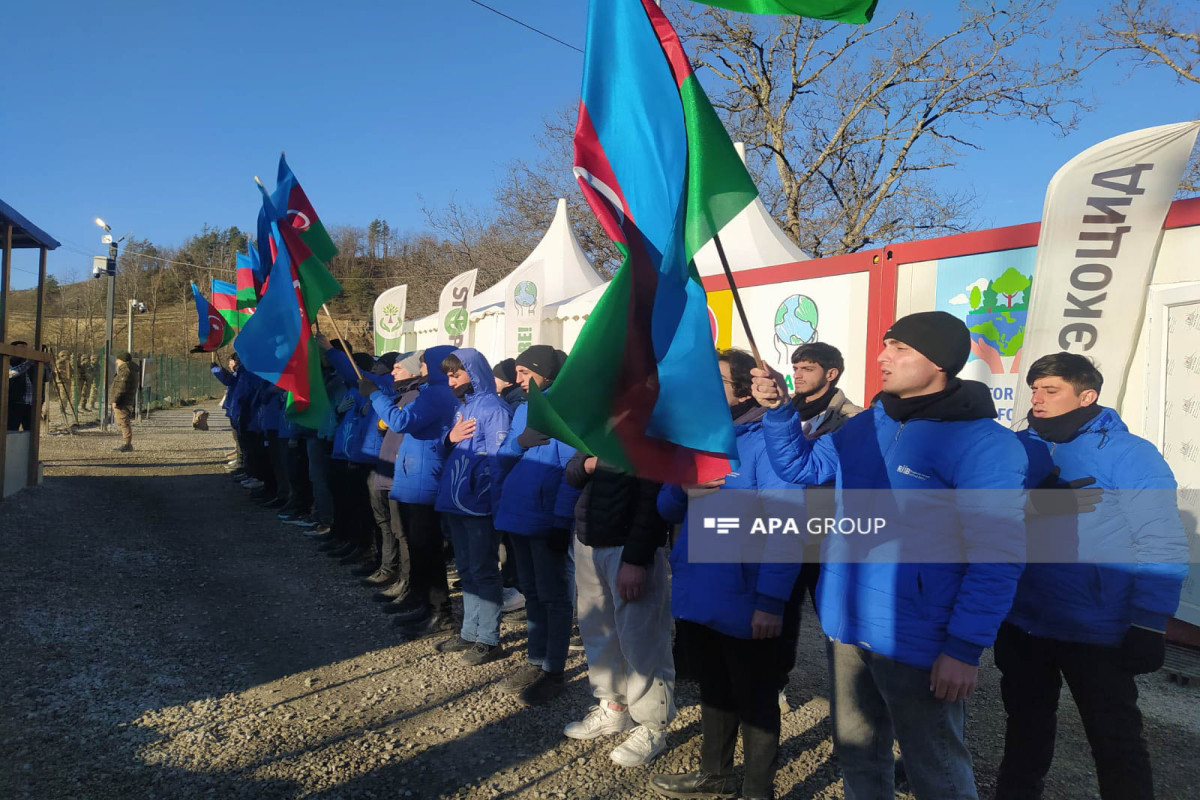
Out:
{"x": 571, "y": 272}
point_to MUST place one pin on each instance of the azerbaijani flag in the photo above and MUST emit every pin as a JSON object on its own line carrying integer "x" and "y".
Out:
{"x": 248, "y": 286}
{"x": 288, "y": 206}
{"x": 224, "y": 300}
{"x": 642, "y": 390}
{"x": 276, "y": 343}
{"x": 212, "y": 328}
{"x": 857, "y": 12}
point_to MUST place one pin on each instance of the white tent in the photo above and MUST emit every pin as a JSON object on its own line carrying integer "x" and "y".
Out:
{"x": 568, "y": 274}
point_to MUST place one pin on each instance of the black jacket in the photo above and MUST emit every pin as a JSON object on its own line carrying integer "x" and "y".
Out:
{"x": 617, "y": 510}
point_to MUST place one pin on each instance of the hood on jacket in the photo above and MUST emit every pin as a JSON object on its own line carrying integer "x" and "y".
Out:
{"x": 433, "y": 360}
{"x": 478, "y": 368}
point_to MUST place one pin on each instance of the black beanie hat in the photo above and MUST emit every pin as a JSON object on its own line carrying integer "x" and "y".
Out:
{"x": 506, "y": 370}
{"x": 364, "y": 361}
{"x": 388, "y": 360}
{"x": 542, "y": 359}
{"x": 940, "y": 337}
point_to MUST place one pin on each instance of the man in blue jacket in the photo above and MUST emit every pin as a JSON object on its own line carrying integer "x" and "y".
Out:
{"x": 1096, "y": 622}
{"x": 532, "y": 467}
{"x": 905, "y": 638}
{"x": 425, "y": 603}
{"x": 466, "y": 498}
{"x": 729, "y": 618}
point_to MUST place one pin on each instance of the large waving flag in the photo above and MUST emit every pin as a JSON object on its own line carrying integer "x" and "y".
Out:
{"x": 854, "y": 11}
{"x": 288, "y": 206}
{"x": 641, "y": 389}
{"x": 211, "y": 328}
{"x": 276, "y": 343}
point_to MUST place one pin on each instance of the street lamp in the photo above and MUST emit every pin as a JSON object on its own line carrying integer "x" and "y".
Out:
{"x": 111, "y": 269}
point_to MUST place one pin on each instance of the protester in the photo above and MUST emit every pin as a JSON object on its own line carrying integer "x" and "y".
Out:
{"x": 1095, "y": 622}
{"x": 905, "y": 662}
{"x": 730, "y": 617}
{"x": 20, "y": 393}
{"x": 624, "y": 609}
{"x": 823, "y": 409}
{"x": 507, "y": 385}
{"x": 466, "y": 500}
{"x": 124, "y": 394}
{"x": 532, "y": 467}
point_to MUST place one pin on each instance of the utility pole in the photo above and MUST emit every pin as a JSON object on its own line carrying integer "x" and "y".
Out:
{"x": 111, "y": 269}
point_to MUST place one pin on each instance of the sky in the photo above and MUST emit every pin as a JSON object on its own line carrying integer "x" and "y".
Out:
{"x": 157, "y": 116}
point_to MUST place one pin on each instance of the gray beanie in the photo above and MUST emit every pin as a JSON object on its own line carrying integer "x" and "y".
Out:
{"x": 412, "y": 361}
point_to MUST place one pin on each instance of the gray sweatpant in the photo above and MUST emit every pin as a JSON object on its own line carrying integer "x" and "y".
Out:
{"x": 628, "y": 644}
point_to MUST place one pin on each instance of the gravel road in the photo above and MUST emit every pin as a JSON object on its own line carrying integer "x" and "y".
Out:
{"x": 162, "y": 636}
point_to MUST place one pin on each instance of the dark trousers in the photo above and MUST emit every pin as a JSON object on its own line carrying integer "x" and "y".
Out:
{"x": 351, "y": 503}
{"x": 545, "y": 581}
{"x": 277, "y": 454}
{"x": 1032, "y": 671}
{"x": 508, "y": 563}
{"x": 258, "y": 465}
{"x": 737, "y": 689}
{"x": 789, "y": 639}
{"x": 300, "y": 488}
{"x": 320, "y": 465}
{"x": 20, "y": 416}
{"x": 422, "y": 527}
{"x": 399, "y": 558}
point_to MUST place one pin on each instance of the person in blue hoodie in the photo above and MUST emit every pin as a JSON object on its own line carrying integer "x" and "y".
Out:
{"x": 729, "y": 618}
{"x": 425, "y": 421}
{"x": 909, "y": 607}
{"x": 466, "y": 498}
{"x": 1096, "y": 622}
{"x": 532, "y": 467}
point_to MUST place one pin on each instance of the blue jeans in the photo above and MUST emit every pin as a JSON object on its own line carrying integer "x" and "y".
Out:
{"x": 545, "y": 582}
{"x": 477, "y": 557}
{"x": 874, "y": 699}
{"x": 319, "y": 452}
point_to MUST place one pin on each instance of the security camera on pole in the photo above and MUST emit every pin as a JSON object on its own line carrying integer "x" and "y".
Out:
{"x": 110, "y": 267}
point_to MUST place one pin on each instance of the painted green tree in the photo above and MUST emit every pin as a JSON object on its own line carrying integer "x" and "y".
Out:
{"x": 1010, "y": 284}
{"x": 976, "y": 298}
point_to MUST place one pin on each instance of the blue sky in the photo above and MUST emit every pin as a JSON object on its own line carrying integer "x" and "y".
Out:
{"x": 156, "y": 116}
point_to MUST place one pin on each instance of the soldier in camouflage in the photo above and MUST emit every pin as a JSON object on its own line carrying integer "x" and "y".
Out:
{"x": 124, "y": 391}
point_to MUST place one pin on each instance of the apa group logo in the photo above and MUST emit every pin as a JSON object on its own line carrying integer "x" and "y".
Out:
{"x": 795, "y": 324}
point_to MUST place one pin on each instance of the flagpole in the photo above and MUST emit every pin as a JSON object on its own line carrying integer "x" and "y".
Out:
{"x": 737, "y": 300}
{"x": 342, "y": 339}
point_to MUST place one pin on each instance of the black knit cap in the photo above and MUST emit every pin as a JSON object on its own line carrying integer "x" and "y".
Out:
{"x": 388, "y": 360}
{"x": 542, "y": 359}
{"x": 940, "y": 337}
{"x": 506, "y": 370}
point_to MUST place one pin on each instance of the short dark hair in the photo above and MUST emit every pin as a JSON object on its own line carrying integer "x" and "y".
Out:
{"x": 740, "y": 363}
{"x": 826, "y": 355}
{"x": 451, "y": 364}
{"x": 1077, "y": 370}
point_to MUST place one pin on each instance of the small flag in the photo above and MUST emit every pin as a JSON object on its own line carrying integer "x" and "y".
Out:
{"x": 211, "y": 328}
{"x": 856, "y": 12}
{"x": 248, "y": 287}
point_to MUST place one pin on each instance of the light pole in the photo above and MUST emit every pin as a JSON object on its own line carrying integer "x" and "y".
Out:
{"x": 111, "y": 269}
{"x": 140, "y": 308}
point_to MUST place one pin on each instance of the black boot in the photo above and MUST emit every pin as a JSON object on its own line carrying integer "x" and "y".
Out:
{"x": 397, "y": 589}
{"x": 343, "y": 550}
{"x": 354, "y": 556}
{"x": 380, "y": 577}
{"x": 434, "y": 624}
{"x": 694, "y": 784}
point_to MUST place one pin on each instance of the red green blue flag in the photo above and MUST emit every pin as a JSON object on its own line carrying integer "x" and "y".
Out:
{"x": 857, "y": 12}
{"x": 276, "y": 343}
{"x": 248, "y": 287}
{"x": 642, "y": 389}
{"x": 211, "y": 328}
{"x": 224, "y": 300}
{"x": 288, "y": 206}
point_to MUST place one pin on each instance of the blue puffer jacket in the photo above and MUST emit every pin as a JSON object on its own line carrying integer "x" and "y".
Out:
{"x": 725, "y": 596}
{"x": 348, "y": 436}
{"x": 532, "y": 480}
{"x": 229, "y": 380}
{"x": 252, "y": 412}
{"x": 1097, "y": 601}
{"x": 366, "y": 440}
{"x": 471, "y": 467}
{"x": 274, "y": 399}
{"x": 424, "y": 422}
{"x": 239, "y": 398}
{"x": 971, "y": 544}
{"x": 335, "y": 389}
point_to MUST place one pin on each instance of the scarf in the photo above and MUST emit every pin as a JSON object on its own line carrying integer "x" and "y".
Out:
{"x": 1063, "y": 427}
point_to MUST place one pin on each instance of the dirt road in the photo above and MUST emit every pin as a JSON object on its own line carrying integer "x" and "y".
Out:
{"x": 162, "y": 636}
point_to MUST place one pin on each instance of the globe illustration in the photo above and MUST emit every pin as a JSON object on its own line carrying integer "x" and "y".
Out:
{"x": 525, "y": 294}
{"x": 796, "y": 320}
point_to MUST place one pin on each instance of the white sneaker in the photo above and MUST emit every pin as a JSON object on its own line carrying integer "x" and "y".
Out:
{"x": 640, "y": 748}
{"x": 784, "y": 706}
{"x": 512, "y": 601}
{"x": 600, "y": 721}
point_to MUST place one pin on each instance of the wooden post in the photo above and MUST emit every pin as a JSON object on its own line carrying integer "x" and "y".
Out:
{"x": 35, "y": 435}
{"x": 737, "y": 300}
{"x": 342, "y": 339}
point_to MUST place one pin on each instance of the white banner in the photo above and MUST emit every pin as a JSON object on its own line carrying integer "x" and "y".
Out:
{"x": 388, "y": 318}
{"x": 526, "y": 292}
{"x": 454, "y": 306}
{"x": 1101, "y": 226}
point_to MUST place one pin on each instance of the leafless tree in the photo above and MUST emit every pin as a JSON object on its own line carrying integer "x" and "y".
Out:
{"x": 848, "y": 127}
{"x": 1160, "y": 36}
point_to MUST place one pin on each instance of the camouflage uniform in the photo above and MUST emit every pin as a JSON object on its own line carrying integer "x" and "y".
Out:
{"x": 124, "y": 391}
{"x": 91, "y": 389}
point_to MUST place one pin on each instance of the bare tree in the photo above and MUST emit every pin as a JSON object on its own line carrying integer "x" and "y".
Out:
{"x": 847, "y": 127}
{"x": 1154, "y": 34}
